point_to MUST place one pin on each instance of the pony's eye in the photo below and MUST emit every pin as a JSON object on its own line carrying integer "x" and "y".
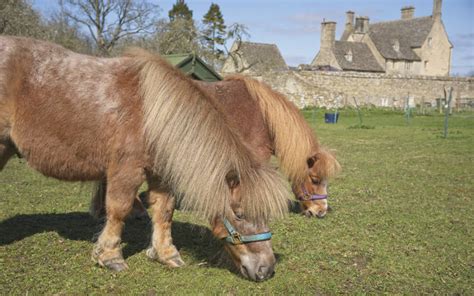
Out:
{"x": 239, "y": 215}
{"x": 315, "y": 181}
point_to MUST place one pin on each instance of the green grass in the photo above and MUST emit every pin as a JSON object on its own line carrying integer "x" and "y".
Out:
{"x": 402, "y": 224}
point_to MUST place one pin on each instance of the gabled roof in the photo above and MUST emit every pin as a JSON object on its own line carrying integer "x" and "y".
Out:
{"x": 362, "y": 57}
{"x": 408, "y": 34}
{"x": 262, "y": 56}
{"x": 192, "y": 65}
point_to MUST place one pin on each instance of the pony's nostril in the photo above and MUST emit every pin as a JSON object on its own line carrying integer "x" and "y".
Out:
{"x": 261, "y": 274}
{"x": 321, "y": 214}
{"x": 244, "y": 271}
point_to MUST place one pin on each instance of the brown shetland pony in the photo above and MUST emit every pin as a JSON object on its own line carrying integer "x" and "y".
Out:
{"x": 133, "y": 119}
{"x": 271, "y": 124}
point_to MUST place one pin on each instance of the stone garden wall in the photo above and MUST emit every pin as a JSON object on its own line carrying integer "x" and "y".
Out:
{"x": 329, "y": 89}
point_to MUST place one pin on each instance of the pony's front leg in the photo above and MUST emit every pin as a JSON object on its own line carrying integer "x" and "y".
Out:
{"x": 162, "y": 247}
{"x": 122, "y": 187}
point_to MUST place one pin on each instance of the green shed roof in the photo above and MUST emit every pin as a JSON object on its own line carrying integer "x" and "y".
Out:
{"x": 194, "y": 66}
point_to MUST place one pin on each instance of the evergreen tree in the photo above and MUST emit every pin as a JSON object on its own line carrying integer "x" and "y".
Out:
{"x": 180, "y": 10}
{"x": 214, "y": 30}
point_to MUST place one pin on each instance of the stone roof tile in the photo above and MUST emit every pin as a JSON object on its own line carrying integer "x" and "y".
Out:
{"x": 396, "y": 39}
{"x": 263, "y": 56}
{"x": 362, "y": 57}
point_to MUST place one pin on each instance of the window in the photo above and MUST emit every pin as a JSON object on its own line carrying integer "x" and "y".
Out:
{"x": 426, "y": 64}
{"x": 430, "y": 42}
{"x": 389, "y": 64}
{"x": 396, "y": 45}
{"x": 348, "y": 56}
{"x": 408, "y": 66}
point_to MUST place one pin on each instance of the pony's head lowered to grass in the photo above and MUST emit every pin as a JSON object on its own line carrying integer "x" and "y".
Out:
{"x": 312, "y": 192}
{"x": 307, "y": 165}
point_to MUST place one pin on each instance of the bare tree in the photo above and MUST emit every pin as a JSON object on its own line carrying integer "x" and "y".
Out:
{"x": 108, "y": 21}
{"x": 238, "y": 32}
{"x": 59, "y": 29}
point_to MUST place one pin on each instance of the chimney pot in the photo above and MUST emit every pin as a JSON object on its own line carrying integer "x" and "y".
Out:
{"x": 350, "y": 18}
{"x": 437, "y": 9}
{"x": 362, "y": 24}
{"x": 328, "y": 34}
{"x": 408, "y": 12}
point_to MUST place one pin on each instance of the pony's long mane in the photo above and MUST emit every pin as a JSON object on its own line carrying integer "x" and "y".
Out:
{"x": 293, "y": 138}
{"x": 194, "y": 148}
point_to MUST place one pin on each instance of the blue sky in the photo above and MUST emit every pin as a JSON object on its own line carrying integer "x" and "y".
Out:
{"x": 294, "y": 26}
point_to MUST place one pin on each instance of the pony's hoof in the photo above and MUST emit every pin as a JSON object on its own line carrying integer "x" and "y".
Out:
{"x": 115, "y": 264}
{"x": 151, "y": 253}
{"x": 173, "y": 261}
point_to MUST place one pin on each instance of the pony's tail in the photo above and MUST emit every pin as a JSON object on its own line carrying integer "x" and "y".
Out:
{"x": 294, "y": 141}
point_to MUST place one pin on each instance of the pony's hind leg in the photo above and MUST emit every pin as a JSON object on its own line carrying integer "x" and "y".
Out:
{"x": 122, "y": 187}
{"x": 97, "y": 206}
{"x": 162, "y": 247}
{"x": 7, "y": 150}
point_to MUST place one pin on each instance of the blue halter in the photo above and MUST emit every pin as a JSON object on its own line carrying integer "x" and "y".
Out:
{"x": 236, "y": 238}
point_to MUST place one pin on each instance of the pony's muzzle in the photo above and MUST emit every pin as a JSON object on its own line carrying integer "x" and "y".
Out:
{"x": 259, "y": 273}
{"x": 258, "y": 270}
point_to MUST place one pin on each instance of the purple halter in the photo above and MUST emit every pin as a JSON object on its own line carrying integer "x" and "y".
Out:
{"x": 307, "y": 197}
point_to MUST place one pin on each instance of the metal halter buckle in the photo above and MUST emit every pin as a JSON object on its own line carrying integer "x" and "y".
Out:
{"x": 236, "y": 238}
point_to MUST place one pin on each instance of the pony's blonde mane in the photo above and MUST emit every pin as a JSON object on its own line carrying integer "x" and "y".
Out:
{"x": 294, "y": 139}
{"x": 194, "y": 148}
{"x": 327, "y": 165}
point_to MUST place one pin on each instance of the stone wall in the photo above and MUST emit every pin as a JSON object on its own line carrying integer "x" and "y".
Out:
{"x": 331, "y": 89}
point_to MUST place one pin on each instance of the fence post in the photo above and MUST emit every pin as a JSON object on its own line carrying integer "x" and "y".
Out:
{"x": 358, "y": 112}
{"x": 407, "y": 109}
{"x": 448, "y": 96}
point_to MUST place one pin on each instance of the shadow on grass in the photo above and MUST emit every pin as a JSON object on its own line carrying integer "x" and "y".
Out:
{"x": 196, "y": 240}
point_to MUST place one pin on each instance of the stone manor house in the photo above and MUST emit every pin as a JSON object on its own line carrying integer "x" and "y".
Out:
{"x": 387, "y": 64}
{"x": 410, "y": 45}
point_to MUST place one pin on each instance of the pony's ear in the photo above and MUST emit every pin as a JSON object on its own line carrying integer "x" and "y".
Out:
{"x": 232, "y": 179}
{"x": 312, "y": 160}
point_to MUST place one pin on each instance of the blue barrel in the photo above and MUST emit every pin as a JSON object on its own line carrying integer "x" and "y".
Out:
{"x": 331, "y": 117}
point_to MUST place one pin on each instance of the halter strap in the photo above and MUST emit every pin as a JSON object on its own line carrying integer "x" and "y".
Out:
{"x": 308, "y": 197}
{"x": 236, "y": 238}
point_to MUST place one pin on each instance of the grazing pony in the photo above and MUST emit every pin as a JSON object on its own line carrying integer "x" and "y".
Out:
{"x": 133, "y": 119}
{"x": 271, "y": 124}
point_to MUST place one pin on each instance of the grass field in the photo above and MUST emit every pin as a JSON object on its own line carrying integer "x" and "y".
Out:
{"x": 403, "y": 223}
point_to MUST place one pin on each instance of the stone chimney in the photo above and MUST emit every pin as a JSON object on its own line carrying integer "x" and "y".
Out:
{"x": 362, "y": 25}
{"x": 437, "y": 10}
{"x": 325, "y": 56}
{"x": 408, "y": 12}
{"x": 349, "y": 20}
{"x": 328, "y": 35}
